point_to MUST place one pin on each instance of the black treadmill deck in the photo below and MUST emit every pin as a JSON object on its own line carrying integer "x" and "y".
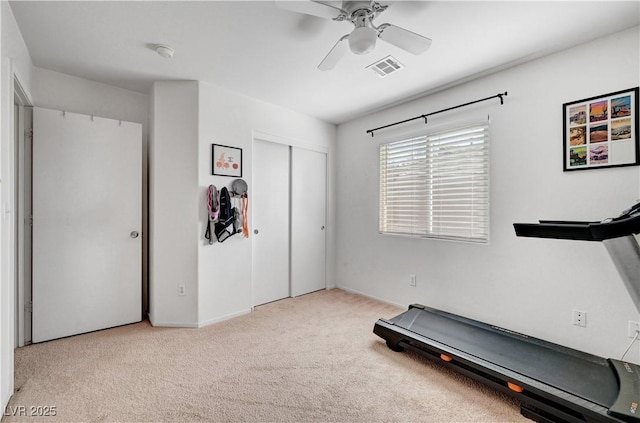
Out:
{"x": 578, "y": 379}
{"x": 543, "y": 361}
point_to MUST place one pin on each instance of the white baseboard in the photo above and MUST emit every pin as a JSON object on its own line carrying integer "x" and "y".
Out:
{"x": 382, "y": 300}
{"x": 157, "y": 324}
{"x": 208, "y": 322}
{"x": 223, "y": 318}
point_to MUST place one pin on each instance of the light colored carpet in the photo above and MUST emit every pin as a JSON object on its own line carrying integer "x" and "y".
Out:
{"x": 307, "y": 359}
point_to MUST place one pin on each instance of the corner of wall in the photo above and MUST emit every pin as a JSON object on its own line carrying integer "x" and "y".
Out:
{"x": 151, "y": 220}
{"x": 173, "y": 185}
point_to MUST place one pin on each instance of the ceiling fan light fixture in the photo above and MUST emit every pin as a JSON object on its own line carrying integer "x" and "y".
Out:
{"x": 363, "y": 40}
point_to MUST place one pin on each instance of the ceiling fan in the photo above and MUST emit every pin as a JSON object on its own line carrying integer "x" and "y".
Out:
{"x": 363, "y": 38}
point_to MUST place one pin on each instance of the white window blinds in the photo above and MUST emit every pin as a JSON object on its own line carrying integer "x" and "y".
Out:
{"x": 437, "y": 185}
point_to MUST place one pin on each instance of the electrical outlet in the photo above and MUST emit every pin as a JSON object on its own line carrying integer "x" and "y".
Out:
{"x": 412, "y": 280}
{"x": 182, "y": 290}
{"x": 633, "y": 327}
{"x": 580, "y": 318}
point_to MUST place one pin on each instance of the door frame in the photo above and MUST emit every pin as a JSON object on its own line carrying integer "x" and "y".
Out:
{"x": 292, "y": 142}
{"x": 22, "y": 206}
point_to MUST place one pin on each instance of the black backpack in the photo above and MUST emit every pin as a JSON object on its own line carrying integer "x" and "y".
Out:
{"x": 224, "y": 226}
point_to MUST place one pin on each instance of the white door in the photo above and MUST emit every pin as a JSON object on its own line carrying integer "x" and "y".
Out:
{"x": 308, "y": 220}
{"x": 270, "y": 216}
{"x": 87, "y": 195}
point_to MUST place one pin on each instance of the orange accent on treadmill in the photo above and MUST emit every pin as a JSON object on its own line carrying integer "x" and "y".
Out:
{"x": 446, "y": 357}
{"x": 515, "y": 387}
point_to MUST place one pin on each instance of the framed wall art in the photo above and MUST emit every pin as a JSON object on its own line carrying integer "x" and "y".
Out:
{"x": 601, "y": 131}
{"x": 226, "y": 161}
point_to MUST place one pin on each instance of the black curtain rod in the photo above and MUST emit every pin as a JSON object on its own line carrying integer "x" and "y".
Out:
{"x": 500, "y": 96}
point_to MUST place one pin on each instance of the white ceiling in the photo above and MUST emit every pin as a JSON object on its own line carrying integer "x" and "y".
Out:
{"x": 268, "y": 53}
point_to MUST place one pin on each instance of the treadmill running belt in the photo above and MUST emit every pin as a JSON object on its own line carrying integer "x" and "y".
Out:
{"x": 581, "y": 374}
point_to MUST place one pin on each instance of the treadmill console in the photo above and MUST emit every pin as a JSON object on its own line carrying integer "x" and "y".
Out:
{"x": 630, "y": 212}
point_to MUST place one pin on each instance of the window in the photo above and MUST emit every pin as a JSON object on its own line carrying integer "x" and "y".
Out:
{"x": 437, "y": 185}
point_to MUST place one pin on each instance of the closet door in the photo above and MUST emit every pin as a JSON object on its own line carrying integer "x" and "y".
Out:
{"x": 87, "y": 210}
{"x": 308, "y": 220}
{"x": 270, "y": 222}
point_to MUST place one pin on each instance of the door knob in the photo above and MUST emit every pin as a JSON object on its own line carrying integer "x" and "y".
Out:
{"x": 255, "y": 231}
{"x": 134, "y": 234}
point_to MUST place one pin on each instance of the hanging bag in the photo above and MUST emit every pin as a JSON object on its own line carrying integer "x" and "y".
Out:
{"x": 224, "y": 226}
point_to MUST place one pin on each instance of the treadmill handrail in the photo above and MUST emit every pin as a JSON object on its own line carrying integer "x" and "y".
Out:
{"x": 580, "y": 230}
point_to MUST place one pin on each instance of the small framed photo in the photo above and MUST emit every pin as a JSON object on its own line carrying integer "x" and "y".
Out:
{"x": 226, "y": 161}
{"x": 601, "y": 131}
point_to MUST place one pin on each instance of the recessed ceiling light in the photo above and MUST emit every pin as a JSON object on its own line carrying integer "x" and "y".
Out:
{"x": 165, "y": 51}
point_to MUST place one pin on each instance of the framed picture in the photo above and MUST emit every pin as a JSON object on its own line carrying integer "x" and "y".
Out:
{"x": 226, "y": 161}
{"x": 601, "y": 131}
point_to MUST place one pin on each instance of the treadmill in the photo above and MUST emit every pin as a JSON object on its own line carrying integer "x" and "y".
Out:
{"x": 551, "y": 382}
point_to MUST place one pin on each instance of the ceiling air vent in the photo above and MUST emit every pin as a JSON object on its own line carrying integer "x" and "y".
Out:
{"x": 386, "y": 66}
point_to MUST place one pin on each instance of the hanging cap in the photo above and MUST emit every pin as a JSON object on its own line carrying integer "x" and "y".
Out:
{"x": 239, "y": 187}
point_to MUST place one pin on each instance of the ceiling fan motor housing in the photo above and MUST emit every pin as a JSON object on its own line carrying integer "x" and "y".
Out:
{"x": 356, "y": 9}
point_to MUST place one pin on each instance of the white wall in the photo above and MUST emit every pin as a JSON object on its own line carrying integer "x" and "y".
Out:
{"x": 15, "y": 61}
{"x": 528, "y": 285}
{"x": 14, "y": 47}
{"x": 187, "y": 117}
{"x": 224, "y": 269}
{"x": 55, "y": 90}
{"x": 173, "y": 204}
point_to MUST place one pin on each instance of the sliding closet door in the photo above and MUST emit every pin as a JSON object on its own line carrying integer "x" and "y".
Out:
{"x": 308, "y": 220}
{"x": 87, "y": 202}
{"x": 270, "y": 222}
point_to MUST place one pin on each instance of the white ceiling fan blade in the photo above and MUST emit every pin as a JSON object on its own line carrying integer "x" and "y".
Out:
{"x": 313, "y": 8}
{"x": 403, "y": 38}
{"x": 334, "y": 56}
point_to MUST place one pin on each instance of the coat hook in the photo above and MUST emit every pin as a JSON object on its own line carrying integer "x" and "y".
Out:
{"x": 425, "y": 119}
